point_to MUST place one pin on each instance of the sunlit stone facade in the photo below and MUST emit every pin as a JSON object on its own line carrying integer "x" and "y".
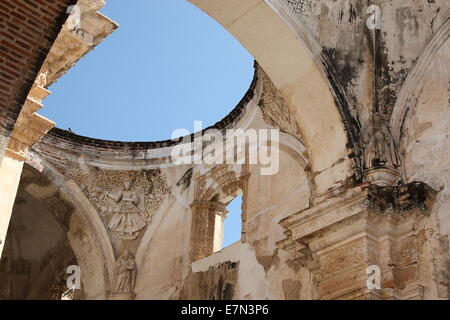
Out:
{"x": 358, "y": 208}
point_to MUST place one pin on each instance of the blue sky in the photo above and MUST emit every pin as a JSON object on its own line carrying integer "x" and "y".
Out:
{"x": 233, "y": 226}
{"x": 167, "y": 65}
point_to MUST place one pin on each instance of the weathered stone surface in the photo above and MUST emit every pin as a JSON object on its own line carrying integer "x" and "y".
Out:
{"x": 218, "y": 283}
{"x": 362, "y": 186}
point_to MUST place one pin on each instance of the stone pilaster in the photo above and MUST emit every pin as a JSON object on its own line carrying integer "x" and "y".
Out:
{"x": 244, "y": 208}
{"x": 207, "y": 228}
{"x": 340, "y": 240}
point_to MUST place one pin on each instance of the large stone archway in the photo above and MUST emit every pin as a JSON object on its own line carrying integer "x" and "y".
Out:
{"x": 296, "y": 72}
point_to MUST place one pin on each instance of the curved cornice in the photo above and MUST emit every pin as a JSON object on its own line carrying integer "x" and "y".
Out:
{"x": 66, "y": 138}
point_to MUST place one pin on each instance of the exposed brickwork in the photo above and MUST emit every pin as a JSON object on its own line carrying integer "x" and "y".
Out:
{"x": 27, "y": 32}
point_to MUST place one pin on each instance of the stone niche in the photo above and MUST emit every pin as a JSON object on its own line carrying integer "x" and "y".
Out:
{"x": 343, "y": 239}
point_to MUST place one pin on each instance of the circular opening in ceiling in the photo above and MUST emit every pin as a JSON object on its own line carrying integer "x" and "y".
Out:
{"x": 166, "y": 66}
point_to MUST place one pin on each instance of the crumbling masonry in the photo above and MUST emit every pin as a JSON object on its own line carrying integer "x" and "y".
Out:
{"x": 360, "y": 91}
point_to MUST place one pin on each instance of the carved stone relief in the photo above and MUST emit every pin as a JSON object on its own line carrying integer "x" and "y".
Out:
{"x": 342, "y": 257}
{"x": 343, "y": 11}
{"x": 379, "y": 145}
{"x": 305, "y": 7}
{"x": 275, "y": 110}
{"x": 126, "y": 271}
{"x": 401, "y": 198}
{"x": 338, "y": 253}
{"x": 125, "y": 200}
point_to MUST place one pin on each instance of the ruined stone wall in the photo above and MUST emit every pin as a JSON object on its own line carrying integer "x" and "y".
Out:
{"x": 425, "y": 145}
{"x": 162, "y": 237}
{"x": 340, "y": 203}
{"x": 28, "y": 32}
{"x": 370, "y": 66}
{"x": 37, "y": 251}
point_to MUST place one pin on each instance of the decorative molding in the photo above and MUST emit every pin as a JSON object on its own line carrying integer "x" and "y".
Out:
{"x": 305, "y": 7}
{"x": 29, "y": 129}
{"x": 222, "y": 182}
{"x": 401, "y": 198}
{"x": 295, "y": 154}
{"x": 71, "y": 45}
{"x": 324, "y": 214}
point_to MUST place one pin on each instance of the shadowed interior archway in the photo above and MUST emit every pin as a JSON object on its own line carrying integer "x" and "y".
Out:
{"x": 48, "y": 234}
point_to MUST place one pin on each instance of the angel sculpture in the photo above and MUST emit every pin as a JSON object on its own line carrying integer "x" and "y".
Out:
{"x": 126, "y": 218}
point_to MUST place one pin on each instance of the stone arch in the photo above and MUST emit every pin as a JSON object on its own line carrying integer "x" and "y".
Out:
{"x": 295, "y": 71}
{"x": 424, "y": 142}
{"x": 425, "y": 131}
{"x": 415, "y": 81}
{"x": 100, "y": 254}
